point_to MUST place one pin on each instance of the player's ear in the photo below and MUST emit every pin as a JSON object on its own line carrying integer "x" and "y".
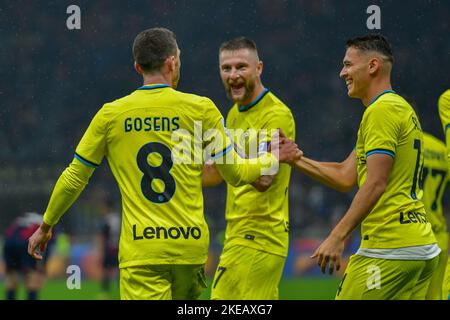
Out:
{"x": 137, "y": 68}
{"x": 170, "y": 63}
{"x": 374, "y": 65}
{"x": 259, "y": 68}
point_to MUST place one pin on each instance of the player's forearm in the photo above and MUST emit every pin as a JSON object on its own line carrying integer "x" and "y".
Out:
{"x": 67, "y": 189}
{"x": 331, "y": 174}
{"x": 263, "y": 183}
{"x": 362, "y": 204}
{"x": 211, "y": 176}
{"x": 244, "y": 171}
{"x": 45, "y": 227}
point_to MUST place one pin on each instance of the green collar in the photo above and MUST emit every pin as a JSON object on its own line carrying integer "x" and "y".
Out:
{"x": 254, "y": 102}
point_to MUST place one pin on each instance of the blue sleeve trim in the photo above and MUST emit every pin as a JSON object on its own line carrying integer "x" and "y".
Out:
{"x": 86, "y": 162}
{"x": 222, "y": 153}
{"x": 381, "y": 151}
{"x": 446, "y": 128}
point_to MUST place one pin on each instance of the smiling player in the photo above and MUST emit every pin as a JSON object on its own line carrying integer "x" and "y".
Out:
{"x": 164, "y": 236}
{"x": 256, "y": 239}
{"x": 398, "y": 252}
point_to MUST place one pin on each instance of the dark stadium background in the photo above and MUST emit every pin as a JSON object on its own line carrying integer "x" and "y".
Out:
{"x": 53, "y": 80}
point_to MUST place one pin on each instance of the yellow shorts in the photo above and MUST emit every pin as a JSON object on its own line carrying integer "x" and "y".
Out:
{"x": 437, "y": 289}
{"x": 381, "y": 279}
{"x": 247, "y": 274}
{"x": 162, "y": 282}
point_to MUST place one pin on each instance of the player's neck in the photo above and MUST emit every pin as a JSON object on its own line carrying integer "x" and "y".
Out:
{"x": 259, "y": 88}
{"x": 156, "y": 79}
{"x": 374, "y": 90}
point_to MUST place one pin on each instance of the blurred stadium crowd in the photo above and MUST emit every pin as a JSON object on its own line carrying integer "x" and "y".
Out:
{"x": 54, "y": 80}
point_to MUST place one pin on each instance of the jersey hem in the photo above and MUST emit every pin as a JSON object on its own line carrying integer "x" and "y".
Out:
{"x": 401, "y": 254}
{"x": 145, "y": 262}
{"x": 246, "y": 243}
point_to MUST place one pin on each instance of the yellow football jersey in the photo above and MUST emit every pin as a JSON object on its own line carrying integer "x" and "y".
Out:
{"x": 390, "y": 126}
{"x": 435, "y": 178}
{"x": 444, "y": 113}
{"x": 148, "y": 138}
{"x": 259, "y": 220}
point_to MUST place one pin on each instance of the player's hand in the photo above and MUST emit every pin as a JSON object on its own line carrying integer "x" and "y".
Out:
{"x": 282, "y": 136}
{"x": 329, "y": 253}
{"x": 37, "y": 243}
{"x": 289, "y": 152}
{"x": 284, "y": 149}
{"x": 276, "y": 140}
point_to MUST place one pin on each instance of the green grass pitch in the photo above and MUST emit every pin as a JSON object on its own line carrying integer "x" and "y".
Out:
{"x": 311, "y": 288}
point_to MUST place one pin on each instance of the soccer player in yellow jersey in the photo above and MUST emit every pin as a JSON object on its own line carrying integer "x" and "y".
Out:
{"x": 398, "y": 252}
{"x": 435, "y": 178}
{"x": 444, "y": 113}
{"x": 257, "y": 215}
{"x": 146, "y": 138}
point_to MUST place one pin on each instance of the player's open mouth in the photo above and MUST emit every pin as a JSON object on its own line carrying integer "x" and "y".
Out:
{"x": 237, "y": 89}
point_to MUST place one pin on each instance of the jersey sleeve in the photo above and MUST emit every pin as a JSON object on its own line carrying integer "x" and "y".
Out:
{"x": 88, "y": 156}
{"x": 67, "y": 189}
{"x": 280, "y": 117}
{"x": 217, "y": 142}
{"x": 381, "y": 130}
{"x": 233, "y": 168}
{"x": 92, "y": 147}
{"x": 444, "y": 114}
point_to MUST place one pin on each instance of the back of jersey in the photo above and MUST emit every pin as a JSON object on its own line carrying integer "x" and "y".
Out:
{"x": 435, "y": 178}
{"x": 162, "y": 200}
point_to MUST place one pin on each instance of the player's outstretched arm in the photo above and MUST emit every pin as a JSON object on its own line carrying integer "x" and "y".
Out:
{"x": 67, "y": 189}
{"x": 264, "y": 182}
{"x": 330, "y": 251}
{"x": 341, "y": 176}
{"x": 211, "y": 176}
{"x": 241, "y": 171}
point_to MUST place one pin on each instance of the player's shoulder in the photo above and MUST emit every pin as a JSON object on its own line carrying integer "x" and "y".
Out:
{"x": 110, "y": 108}
{"x": 432, "y": 142}
{"x": 170, "y": 93}
{"x": 192, "y": 98}
{"x": 390, "y": 100}
{"x": 445, "y": 95}
{"x": 276, "y": 107}
{"x": 277, "y": 103}
{"x": 390, "y": 106}
{"x": 444, "y": 100}
{"x": 233, "y": 110}
{"x": 192, "y": 102}
{"x": 201, "y": 106}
